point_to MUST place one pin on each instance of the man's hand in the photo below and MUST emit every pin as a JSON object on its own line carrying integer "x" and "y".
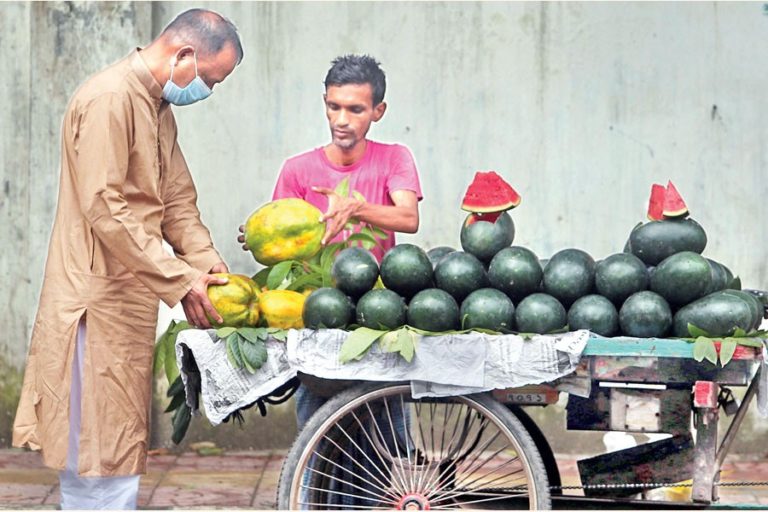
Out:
{"x": 196, "y": 303}
{"x": 241, "y": 238}
{"x": 219, "y": 268}
{"x": 340, "y": 210}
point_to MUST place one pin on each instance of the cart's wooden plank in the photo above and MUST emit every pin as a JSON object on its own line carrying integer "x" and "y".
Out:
{"x": 638, "y": 347}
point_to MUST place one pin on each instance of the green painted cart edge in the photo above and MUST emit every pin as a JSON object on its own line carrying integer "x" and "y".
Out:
{"x": 638, "y": 347}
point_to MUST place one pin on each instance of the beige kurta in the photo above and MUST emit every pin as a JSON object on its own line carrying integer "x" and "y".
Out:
{"x": 124, "y": 187}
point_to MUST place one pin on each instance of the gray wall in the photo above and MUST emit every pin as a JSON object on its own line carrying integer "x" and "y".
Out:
{"x": 581, "y": 106}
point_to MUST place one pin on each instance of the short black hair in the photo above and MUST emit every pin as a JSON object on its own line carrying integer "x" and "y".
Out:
{"x": 358, "y": 69}
{"x": 208, "y": 31}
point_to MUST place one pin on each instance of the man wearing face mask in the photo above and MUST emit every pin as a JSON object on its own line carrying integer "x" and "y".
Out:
{"x": 124, "y": 188}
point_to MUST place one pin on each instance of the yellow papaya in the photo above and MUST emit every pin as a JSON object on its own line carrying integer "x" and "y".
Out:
{"x": 285, "y": 229}
{"x": 236, "y": 301}
{"x": 282, "y": 308}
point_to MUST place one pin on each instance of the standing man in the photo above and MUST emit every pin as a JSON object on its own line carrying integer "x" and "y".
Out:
{"x": 385, "y": 174}
{"x": 124, "y": 188}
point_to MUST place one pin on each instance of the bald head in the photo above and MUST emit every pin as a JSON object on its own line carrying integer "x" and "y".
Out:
{"x": 207, "y": 31}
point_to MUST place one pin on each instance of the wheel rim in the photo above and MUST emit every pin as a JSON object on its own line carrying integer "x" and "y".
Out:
{"x": 418, "y": 455}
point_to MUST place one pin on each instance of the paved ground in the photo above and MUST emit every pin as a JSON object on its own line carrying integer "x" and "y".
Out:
{"x": 249, "y": 480}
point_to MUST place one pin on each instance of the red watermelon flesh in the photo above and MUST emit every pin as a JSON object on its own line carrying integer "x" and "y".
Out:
{"x": 656, "y": 202}
{"x": 674, "y": 206}
{"x": 489, "y": 193}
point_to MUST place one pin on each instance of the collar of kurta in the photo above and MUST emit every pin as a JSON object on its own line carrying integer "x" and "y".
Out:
{"x": 145, "y": 77}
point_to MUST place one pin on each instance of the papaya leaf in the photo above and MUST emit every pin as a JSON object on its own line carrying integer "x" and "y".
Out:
{"x": 278, "y": 274}
{"x": 260, "y": 277}
{"x": 223, "y": 332}
{"x": 727, "y": 348}
{"x": 697, "y": 332}
{"x": 405, "y": 340}
{"x": 253, "y": 334}
{"x": 357, "y": 343}
{"x": 342, "y": 188}
{"x": 233, "y": 351}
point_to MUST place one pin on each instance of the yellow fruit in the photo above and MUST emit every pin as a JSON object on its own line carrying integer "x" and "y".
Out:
{"x": 235, "y": 301}
{"x": 282, "y": 308}
{"x": 285, "y": 229}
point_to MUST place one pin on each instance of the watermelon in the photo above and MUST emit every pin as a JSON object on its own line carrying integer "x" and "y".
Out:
{"x": 487, "y": 308}
{"x": 438, "y": 253}
{"x": 620, "y": 275}
{"x": 433, "y": 310}
{"x": 327, "y": 308}
{"x": 718, "y": 314}
{"x": 654, "y": 241}
{"x": 515, "y": 271}
{"x": 682, "y": 278}
{"x": 460, "y": 273}
{"x": 645, "y": 315}
{"x": 595, "y": 313}
{"x": 674, "y": 206}
{"x": 569, "y": 275}
{"x": 488, "y": 193}
{"x": 656, "y": 202}
{"x": 355, "y": 271}
{"x": 540, "y": 313}
{"x": 484, "y": 238}
{"x": 381, "y": 309}
{"x": 406, "y": 270}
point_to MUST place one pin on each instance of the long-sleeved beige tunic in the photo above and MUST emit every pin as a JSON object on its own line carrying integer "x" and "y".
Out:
{"x": 124, "y": 187}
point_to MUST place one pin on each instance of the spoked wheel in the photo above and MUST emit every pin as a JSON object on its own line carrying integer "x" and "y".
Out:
{"x": 374, "y": 447}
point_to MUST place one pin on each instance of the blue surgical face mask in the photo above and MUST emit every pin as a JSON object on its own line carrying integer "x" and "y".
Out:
{"x": 196, "y": 90}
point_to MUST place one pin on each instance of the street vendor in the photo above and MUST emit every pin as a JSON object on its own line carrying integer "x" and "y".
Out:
{"x": 385, "y": 174}
{"x": 124, "y": 188}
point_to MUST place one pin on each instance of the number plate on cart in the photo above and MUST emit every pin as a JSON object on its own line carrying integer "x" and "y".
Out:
{"x": 528, "y": 395}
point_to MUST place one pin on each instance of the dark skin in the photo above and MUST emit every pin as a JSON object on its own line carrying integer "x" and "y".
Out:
{"x": 213, "y": 69}
{"x": 350, "y": 112}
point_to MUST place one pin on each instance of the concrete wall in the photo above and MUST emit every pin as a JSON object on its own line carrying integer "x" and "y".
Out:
{"x": 581, "y": 106}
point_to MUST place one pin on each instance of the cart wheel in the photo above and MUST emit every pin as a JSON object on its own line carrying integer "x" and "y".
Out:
{"x": 374, "y": 447}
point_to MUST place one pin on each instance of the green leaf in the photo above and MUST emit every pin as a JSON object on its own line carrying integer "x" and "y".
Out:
{"x": 363, "y": 237}
{"x": 748, "y": 342}
{"x": 280, "y": 334}
{"x": 379, "y": 233}
{"x": 177, "y": 387}
{"x": 181, "y": 419}
{"x": 405, "y": 340}
{"x": 727, "y": 348}
{"x": 696, "y": 332}
{"x": 171, "y": 368}
{"x": 704, "y": 348}
{"x": 739, "y": 333}
{"x": 278, "y": 274}
{"x": 223, "y": 332}
{"x": 389, "y": 341}
{"x": 357, "y": 195}
{"x": 358, "y": 342}
{"x": 254, "y": 354}
{"x": 314, "y": 280}
{"x": 260, "y": 277}
{"x": 342, "y": 188}
{"x": 233, "y": 351}
{"x": 176, "y": 402}
{"x": 253, "y": 334}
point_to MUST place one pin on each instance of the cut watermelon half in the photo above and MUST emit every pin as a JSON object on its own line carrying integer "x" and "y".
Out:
{"x": 674, "y": 206}
{"x": 656, "y": 202}
{"x": 489, "y": 193}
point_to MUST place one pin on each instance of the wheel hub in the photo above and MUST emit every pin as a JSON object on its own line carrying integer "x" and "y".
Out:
{"x": 413, "y": 502}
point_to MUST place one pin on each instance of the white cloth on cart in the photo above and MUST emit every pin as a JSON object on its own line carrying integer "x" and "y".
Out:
{"x": 444, "y": 365}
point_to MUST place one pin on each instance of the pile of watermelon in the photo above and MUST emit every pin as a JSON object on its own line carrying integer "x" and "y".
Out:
{"x": 659, "y": 286}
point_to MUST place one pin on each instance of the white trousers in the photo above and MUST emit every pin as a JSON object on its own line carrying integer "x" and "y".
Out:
{"x": 91, "y": 493}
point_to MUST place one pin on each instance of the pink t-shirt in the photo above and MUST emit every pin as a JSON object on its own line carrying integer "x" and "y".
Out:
{"x": 384, "y": 168}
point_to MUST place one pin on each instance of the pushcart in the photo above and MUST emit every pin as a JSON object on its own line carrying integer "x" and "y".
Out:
{"x": 373, "y": 446}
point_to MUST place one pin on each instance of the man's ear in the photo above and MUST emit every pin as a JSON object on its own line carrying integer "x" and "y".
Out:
{"x": 378, "y": 111}
{"x": 184, "y": 52}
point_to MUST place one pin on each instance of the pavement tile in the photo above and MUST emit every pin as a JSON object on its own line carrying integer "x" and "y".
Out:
{"x": 23, "y": 494}
{"x": 201, "y": 497}
{"x": 209, "y": 480}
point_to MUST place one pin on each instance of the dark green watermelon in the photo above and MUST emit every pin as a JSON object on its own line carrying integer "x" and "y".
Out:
{"x": 433, "y": 310}
{"x": 682, "y": 278}
{"x": 406, "y": 270}
{"x": 719, "y": 280}
{"x": 483, "y": 239}
{"x": 655, "y": 241}
{"x": 620, "y": 275}
{"x": 718, "y": 314}
{"x": 515, "y": 271}
{"x": 438, "y": 253}
{"x": 595, "y": 313}
{"x": 569, "y": 275}
{"x": 645, "y": 314}
{"x": 355, "y": 271}
{"x": 540, "y": 313}
{"x": 460, "y": 273}
{"x": 327, "y": 308}
{"x": 754, "y": 303}
{"x": 487, "y": 308}
{"x": 381, "y": 309}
